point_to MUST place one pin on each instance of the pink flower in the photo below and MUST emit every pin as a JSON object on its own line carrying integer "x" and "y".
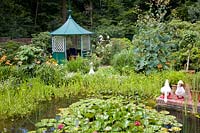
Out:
{"x": 137, "y": 123}
{"x": 60, "y": 126}
{"x": 95, "y": 132}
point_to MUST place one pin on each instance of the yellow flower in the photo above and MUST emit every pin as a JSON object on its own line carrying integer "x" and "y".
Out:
{"x": 3, "y": 58}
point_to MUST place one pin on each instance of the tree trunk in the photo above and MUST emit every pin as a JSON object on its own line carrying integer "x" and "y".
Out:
{"x": 36, "y": 13}
{"x": 91, "y": 9}
{"x": 188, "y": 61}
{"x": 64, "y": 11}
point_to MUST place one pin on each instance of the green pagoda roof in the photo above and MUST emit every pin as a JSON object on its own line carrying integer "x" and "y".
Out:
{"x": 70, "y": 27}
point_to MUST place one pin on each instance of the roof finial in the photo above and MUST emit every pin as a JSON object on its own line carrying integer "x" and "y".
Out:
{"x": 69, "y": 6}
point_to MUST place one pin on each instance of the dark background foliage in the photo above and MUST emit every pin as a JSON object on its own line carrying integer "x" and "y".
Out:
{"x": 21, "y": 18}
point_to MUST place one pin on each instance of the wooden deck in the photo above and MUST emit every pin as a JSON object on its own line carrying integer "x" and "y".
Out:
{"x": 173, "y": 102}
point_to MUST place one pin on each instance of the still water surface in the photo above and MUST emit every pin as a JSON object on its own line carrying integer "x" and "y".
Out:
{"x": 190, "y": 123}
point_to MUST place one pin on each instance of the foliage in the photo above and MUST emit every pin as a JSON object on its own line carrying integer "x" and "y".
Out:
{"x": 10, "y": 47}
{"x": 195, "y": 82}
{"x": 23, "y": 99}
{"x": 188, "y": 11}
{"x": 42, "y": 40}
{"x": 111, "y": 115}
{"x": 78, "y": 65}
{"x": 175, "y": 76}
{"x": 152, "y": 46}
{"x": 17, "y": 22}
{"x": 50, "y": 74}
{"x": 29, "y": 54}
{"x": 187, "y": 40}
{"x": 51, "y": 81}
{"x": 106, "y": 50}
{"x": 117, "y": 16}
{"x": 123, "y": 61}
{"x": 8, "y": 51}
{"x": 117, "y": 31}
{"x": 95, "y": 60}
{"x": 17, "y": 73}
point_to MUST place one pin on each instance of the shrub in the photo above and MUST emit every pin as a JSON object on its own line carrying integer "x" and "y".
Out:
{"x": 50, "y": 74}
{"x": 8, "y": 50}
{"x": 106, "y": 51}
{"x": 175, "y": 76}
{"x": 78, "y": 65}
{"x": 42, "y": 40}
{"x": 124, "y": 60}
{"x": 152, "y": 46}
{"x": 29, "y": 54}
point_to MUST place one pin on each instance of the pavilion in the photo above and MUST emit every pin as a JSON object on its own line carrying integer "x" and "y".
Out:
{"x": 70, "y": 40}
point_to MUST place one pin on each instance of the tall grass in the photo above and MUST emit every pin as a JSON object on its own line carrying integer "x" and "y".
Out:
{"x": 23, "y": 99}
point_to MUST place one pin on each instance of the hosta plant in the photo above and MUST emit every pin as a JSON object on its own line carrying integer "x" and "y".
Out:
{"x": 111, "y": 115}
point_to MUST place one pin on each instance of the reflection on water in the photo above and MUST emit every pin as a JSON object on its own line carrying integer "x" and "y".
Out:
{"x": 190, "y": 123}
{"x": 45, "y": 110}
{"x": 49, "y": 110}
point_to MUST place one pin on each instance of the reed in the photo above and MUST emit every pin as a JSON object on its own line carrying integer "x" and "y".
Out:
{"x": 22, "y": 99}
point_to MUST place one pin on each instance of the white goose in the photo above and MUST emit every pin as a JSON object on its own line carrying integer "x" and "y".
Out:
{"x": 166, "y": 90}
{"x": 180, "y": 91}
{"x": 91, "y": 69}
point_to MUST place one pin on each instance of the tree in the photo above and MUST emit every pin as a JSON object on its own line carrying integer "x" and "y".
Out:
{"x": 186, "y": 37}
{"x": 64, "y": 11}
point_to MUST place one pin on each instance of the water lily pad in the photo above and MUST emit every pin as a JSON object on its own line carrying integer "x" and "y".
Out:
{"x": 177, "y": 124}
{"x": 111, "y": 115}
{"x": 40, "y": 124}
{"x": 108, "y": 128}
{"x": 176, "y": 129}
{"x": 164, "y": 112}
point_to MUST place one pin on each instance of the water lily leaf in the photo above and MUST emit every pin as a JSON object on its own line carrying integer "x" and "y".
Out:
{"x": 31, "y": 131}
{"x": 116, "y": 129}
{"x": 40, "y": 124}
{"x": 198, "y": 116}
{"x": 97, "y": 125}
{"x": 41, "y": 130}
{"x": 108, "y": 128}
{"x": 164, "y": 112}
{"x": 52, "y": 120}
{"x": 112, "y": 115}
{"x": 89, "y": 115}
{"x": 45, "y": 120}
{"x": 105, "y": 116}
{"x": 50, "y": 125}
{"x": 176, "y": 129}
{"x": 95, "y": 107}
{"x": 126, "y": 123}
{"x": 177, "y": 124}
{"x": 155, "y": 127}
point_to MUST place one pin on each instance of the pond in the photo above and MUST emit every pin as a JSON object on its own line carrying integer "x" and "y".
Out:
{"x": 49, "y": 110}
{"x": 45, "y": 110}
{"x": 190, "y": 122}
